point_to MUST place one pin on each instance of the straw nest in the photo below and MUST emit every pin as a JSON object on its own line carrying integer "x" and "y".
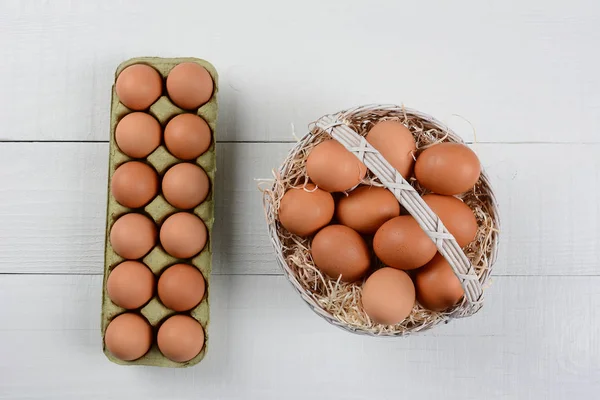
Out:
{"x": 339, "y": 302}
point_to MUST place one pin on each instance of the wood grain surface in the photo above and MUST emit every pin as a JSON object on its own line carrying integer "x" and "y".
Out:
{"x": 519, "y": 71}
{"x": 517, "y": 79}
{"x": 57, "y": 213}
{"x": 531, "y": 340}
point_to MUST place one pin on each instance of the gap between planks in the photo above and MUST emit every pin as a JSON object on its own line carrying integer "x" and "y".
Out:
{"x": 295, "y": 141}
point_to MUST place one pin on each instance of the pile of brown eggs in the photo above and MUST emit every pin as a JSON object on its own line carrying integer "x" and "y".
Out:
{"x": 349, "y": 222}
{"x": 136, "y": 185}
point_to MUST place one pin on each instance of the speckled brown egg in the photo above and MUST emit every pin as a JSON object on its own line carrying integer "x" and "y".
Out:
{"x": 130, "y": 284}
{"x": 181, "y": 287}
{"x": 138, "y": 86}
{"x": 133, "y": 235}
{"x": 333, "y": 168}
{"x": 185, "y": 185}
{"x": 138, "y": 134}
{"x": 388, "y": 296}
{"x": 187, "y": 136}
{"x": 366, "y": 208}
{"x": 340, "y": 251}
{"x": 306, "y": 209}
{"x": 448, "y": 168}
{"x": 134, "y": 184}
{"x": 395, "y": 143}
{"x": 128, "y": 337}
{"x": 180, "y": 338}
{"x": 437, "y": 286}
{"x": 183, "y": 235}
{"x": 189, "y": 85}
{"x": 402, "y": 244}
{"x": 456, "y": 216}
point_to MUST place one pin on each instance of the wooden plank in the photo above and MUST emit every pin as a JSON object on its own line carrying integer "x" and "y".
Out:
{"x": 519, "y": 74}
{"x": 535, "y": 338}
{"x": 53, "y": 199}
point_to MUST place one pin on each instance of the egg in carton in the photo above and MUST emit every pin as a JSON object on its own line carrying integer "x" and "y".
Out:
{"x": 158, "y": 210}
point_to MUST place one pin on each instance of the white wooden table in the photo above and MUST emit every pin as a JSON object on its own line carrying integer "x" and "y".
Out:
{"x": 526, "y": 74}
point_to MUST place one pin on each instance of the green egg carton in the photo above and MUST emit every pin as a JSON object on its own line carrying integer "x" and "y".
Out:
{"x": 158, "y": 210}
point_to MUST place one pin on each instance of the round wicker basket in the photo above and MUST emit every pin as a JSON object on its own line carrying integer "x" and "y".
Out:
{"x": 338, "y": 302}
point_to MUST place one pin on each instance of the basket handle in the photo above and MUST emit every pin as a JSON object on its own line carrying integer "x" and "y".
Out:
{"x": 410, "y": 199}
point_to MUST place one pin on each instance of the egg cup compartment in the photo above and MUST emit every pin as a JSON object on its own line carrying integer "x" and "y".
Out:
{"x": 158, "y": 209}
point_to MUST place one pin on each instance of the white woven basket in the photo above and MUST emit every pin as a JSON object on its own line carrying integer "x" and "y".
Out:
{"x": 344, "y": 127}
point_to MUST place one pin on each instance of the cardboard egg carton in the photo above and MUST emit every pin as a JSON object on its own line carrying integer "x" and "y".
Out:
{"x": 159, "y": 209}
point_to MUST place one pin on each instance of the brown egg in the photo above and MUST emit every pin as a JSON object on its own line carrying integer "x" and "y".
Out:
{"x": 183, "y": 235}
{"x": 189, "y": 85}
{"x": 185, "y": 185}
{"x": 133, "y": 235}
{"x": 130, "y": 284}
{"x": 187, "y": 136}
{"x": 128, "y": 336}
{"x": 138, "y": 86}
{"x": 437, "y": 286}
{"x": 181, "y": 287}
{"x": 134, "y": 184}
{"x": 388, "y": 296}
{"x": 333, "y": 168}
{"x": 448, "y": 168}
{"x": 456, "y": 216}
{"x": 402, "y": 244}
{"x": 303, "y": 211}
{"x": 366, "y": 208}
{"x": 138, "y": 134}
{"x": 180, "y": 338}
{"x": 395, "y": 143}
{"x": 338, "y": 250}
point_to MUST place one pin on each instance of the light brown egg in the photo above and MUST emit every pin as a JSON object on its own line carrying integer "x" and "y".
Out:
{"x": 133, "y": 235}
{"x": 130, "y": 284}
{"x": 183, "y": 235}
{"x": 180, "y": 338}
{"x": 388, "y": 296}
{"x": 305, "y": 210}
{"x": 187, "y": 136}
{"x": 185, "y": 185}
{"x": 448, "y": 168}
{"x": 456, "y": 216}
{"x": 189, "y": 85}
{"x": 139, "y": 86}
{"x": 181, "y": 287}
{"x": 128, "y": 337}
{"x": 395, "y": 143}
{"x": 138, "y": 134}
{"x": 134, "y": 184}
{"x": 338, "y": 250}
{"x": 333, "y": 168}
{"x": 402, "y": 244}
{"x": 366, "y": 208}
{"x": 437, "y": 286}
